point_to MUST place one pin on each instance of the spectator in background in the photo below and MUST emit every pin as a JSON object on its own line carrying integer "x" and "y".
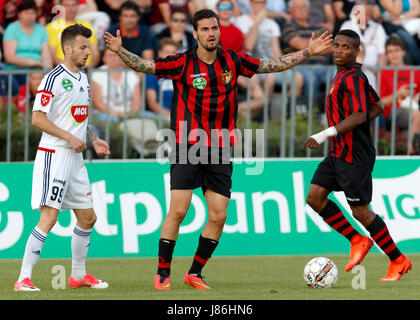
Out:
{"x": 261, "y": 36}
{"x": 277, "y": 10}
{"x": 112, "y": 9}
{"x": 244, "y": 6}
{"x": 34, "y": 82}
{"x": 231, "y": 38}
{"x": 25, "y": 42}
{"x": 321, "y": 13}
{"x": 296, "y": 36}
{"x": 402, "y": 18}
{"x": 8, "y": 13}
{"x": 167, "y": 47}
{"x": 160, "y": 15}
{"x": 177, "y": 31}
{"x": 136, "y": 38}
{"x": 230, "y": 35}
{"x": 212, "y": 5}
{"x": 342, "y": 10}
{"x": 123, "y": 93}
{"x": 395, "y": 51}
{"x": 372, "y": 35}
{"x": 100, "y": 21}
{"x": 56, "y": 27}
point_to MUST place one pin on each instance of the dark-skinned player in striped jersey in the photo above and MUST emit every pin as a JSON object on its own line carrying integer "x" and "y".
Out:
{"x": 204, "y": 101}
{"x": 350, "y": 107}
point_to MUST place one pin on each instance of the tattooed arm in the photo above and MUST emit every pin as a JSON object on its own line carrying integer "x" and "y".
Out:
{"x": 288, "y": 61}
{"x": 130, "y": 59}
{"x": 284, "y": 62}
{"x": 135, "y": 62}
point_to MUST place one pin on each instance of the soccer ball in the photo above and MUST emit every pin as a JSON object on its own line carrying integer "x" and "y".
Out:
{"x": 320, "y": 272}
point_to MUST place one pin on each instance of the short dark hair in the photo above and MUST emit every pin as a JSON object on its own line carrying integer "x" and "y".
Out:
{"x": 203, "y": 14}
{"x": 27, "y": 5}
{"x": 395, "y": 41}
{"x": 351, "y": 34}
{"x": 70, "y": 33}
{"x": 130, "y": 5}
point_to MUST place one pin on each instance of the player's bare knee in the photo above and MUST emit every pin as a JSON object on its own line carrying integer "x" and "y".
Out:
{"x": 178, "y": 215}
{"x": 313, "y": 202}
{"x": 90, "y": 221}
{"x": 217, "y": 218}
{"x": 359, "y": 213}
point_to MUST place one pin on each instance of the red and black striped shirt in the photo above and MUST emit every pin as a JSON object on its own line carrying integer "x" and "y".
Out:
{"x": 205, "y": 95}
{"x": 351, "y": 92}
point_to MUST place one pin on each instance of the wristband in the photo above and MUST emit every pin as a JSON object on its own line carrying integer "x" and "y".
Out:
{"x": 324, "y": 135}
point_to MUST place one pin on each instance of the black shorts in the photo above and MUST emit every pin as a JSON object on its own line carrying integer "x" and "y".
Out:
{"x": 216, "y": 177}
{"x": 335, "y": 174}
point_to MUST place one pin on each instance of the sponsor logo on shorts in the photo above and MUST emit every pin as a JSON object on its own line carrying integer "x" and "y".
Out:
{"x": 59, "y": 181}
{"x": 353, "y": 199}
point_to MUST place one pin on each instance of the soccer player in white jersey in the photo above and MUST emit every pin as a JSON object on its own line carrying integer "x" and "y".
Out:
{"x": 60, "y": 180}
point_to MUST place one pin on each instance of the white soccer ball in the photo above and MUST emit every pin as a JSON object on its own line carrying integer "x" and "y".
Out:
{"x": 320, "y": 272}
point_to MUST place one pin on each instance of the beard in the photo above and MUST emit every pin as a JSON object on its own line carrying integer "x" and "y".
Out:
{"x": 208, "y": 48}
{"x": 78, "y": 62}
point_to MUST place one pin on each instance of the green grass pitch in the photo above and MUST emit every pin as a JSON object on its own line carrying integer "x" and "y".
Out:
{"x": 231, "y": 278}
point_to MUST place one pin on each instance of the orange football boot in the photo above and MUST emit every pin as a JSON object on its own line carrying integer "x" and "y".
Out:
{"x": 360, "y": 246}
{"x": 162, "y": 283}
{"x": 397, "y": 268}
{"x": 196, "y": 281}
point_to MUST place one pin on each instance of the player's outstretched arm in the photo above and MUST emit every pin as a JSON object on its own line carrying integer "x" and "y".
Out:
{"x": 316, "y": 46}
{"x": 130, "y": 59}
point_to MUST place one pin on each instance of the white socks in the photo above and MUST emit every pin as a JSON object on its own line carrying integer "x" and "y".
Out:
{"x": 79, "y": 248}
{"x": 32, "y": 252}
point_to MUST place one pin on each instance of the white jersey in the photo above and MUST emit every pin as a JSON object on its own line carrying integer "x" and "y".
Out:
{"x": 64, "y": 96}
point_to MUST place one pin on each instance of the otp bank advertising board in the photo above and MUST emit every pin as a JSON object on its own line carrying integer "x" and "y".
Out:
{"x": 267, "y": 214}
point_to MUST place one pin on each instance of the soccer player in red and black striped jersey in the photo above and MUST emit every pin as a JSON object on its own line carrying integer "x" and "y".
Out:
{"x": 350, "y": 106}
{"x": 204, "y": 103}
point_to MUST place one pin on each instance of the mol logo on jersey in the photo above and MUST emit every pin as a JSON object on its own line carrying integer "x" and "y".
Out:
{"x": 79, "y": 114}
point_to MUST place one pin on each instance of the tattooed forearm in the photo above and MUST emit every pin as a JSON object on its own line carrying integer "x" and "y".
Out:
{"x": 90, "y": 135}
{"x": 136, "y": 63}
{"x": 284, "y": 62}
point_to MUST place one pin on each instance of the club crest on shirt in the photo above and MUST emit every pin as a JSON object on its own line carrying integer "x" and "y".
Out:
{"x": 45, "y": 99}
{"x": 227, "y": 77}
{"x": 79, "y": 114}
{"x": 67, "y": 84}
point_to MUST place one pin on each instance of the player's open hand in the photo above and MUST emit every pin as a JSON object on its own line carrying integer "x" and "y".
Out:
{"x": 113, "y": 43}
{"x": 101, "y": 147}
{"x": 321, "y": 44}
{"x": 310, "y": 143}
{"x": 76, "y": 144}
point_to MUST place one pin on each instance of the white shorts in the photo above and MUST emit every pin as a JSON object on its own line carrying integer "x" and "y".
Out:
{"x": 60, "y": 180}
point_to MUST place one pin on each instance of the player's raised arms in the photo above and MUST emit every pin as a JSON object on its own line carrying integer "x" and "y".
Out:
{"x": 316, "y": 46}
{"x": 130, "y": 59}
